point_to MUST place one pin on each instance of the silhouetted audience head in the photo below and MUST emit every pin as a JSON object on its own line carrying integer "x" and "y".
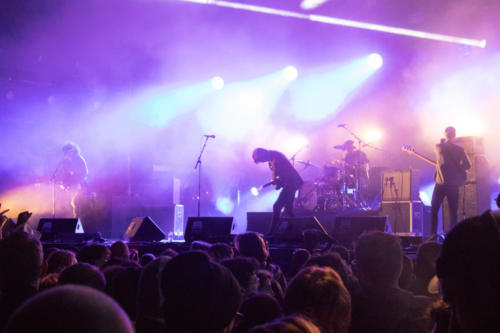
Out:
{"x": 200, "y": 295}
{"x": 83, "y": 274}
{"x": 146, "y": 258}
{"x": 49, "y": 281}
{"x": 379, "y": 259}
{"x": 251, "y": 244}
{"x": 119, "y": 249}
{"x": 407, "y": 277}
{"x": 313, "y": 238}
{"x": 169, "y": 253}
{"x": 257, "y": 309}
{"x": 425, "y": 266}
{"x": 319, "y": 293}
{"x": 289, "y": 324}
{"x": 199, "y": 245}
{"x": 469, "y": 270}
{"x": 21, "y": 266}
{"x": 76, "y": 309}
{"x": 335, "y": 262}
{"x": 109, "y": 274}
{"x": 95, "y": 254}
{"x": 124, "y": 289}
{"x": 59, "y": 260}
{"x": 21, "y": 261}
{"x": 299, "y": 258}
{"x": 149, "y": 298}
{"x": 244, "y": 270}
{"x": 342, "y": 251}
{"x": 220, "y": 251}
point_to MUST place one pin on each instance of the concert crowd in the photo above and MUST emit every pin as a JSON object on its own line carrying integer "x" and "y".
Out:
{"x": 449, "y": 287}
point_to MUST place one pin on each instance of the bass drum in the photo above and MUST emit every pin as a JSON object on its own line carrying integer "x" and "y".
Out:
{"x": 308, "y": 197}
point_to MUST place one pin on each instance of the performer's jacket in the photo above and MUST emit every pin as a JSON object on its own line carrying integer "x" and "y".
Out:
{"x": 283, "y": 171}
{"x": 452, "y": 164}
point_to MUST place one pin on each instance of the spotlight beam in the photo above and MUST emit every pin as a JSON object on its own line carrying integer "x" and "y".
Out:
{"x": 344, "y": 22}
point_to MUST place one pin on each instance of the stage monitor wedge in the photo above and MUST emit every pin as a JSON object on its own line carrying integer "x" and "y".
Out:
{"x": 143, "y": 229}
{"x": 209, "y": 229}
{"x": 59, "y": 228}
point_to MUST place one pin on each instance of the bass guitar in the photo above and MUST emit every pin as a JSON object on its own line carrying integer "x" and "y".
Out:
{"x": 410, "y": 150}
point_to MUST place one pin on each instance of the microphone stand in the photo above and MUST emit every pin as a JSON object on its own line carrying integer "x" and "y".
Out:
{"x": 296, "y": 153}
{"x": 198, "y": 166}
{"x": 53, "y": 179}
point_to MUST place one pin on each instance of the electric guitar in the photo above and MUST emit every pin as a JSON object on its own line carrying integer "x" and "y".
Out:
{"x": 272, "y": 182}
{"x": 410, "y": 150}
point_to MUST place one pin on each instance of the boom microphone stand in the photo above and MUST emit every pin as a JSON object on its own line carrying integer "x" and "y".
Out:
{"x": 198, "y": 166}
{"x": 292, "y": 159}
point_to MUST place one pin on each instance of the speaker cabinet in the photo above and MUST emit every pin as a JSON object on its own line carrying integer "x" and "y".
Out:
{"x": 473, "y": 200}
{"x": 405, "y": 217}
{"x": 259, "y": 221}
{"x": 347, "y": 229}
{"x": 143, "y": 229}
{"x": 400, "y": 185}
{"x": 59, "y": 229}
{"x": 209, "y": 229}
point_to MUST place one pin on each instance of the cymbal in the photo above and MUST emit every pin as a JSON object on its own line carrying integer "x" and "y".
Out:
{"x": 341, "y": 147}
{"x": 307, "y": 164}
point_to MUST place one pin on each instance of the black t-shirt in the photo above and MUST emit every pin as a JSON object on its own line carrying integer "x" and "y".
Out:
{"x": 452, "y": 163}
{"x": 356, "y": 158}
{"x": 282, "y": 168}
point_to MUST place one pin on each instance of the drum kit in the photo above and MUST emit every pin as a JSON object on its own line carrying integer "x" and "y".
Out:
{"x": 340, "y": 186}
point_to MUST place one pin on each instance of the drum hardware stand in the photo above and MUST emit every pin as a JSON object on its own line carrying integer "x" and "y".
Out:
{"x": 292, "y": 159}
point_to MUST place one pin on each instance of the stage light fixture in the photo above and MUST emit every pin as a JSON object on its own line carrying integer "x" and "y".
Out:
{"x": 373, "y": 135}
{"x": 217, "y": 83}
{"x": 311, "y": 4}
{"x": 375, "y": 61}
{"x": 254, "y": 191}
{"x": 290, "y": 73}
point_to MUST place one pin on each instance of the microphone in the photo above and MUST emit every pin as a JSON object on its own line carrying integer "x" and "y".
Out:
{"x": 341, "y": 125}
{"x": 210, "y": 136}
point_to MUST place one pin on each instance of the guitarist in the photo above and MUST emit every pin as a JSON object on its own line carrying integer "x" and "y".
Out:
{"x": 451, "y": 166}
{"x": 71, "y": 173}
{"x": 284, "y": 177}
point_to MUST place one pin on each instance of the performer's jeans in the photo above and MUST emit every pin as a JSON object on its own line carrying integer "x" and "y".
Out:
{"x": 285, "y": 199}
{"x": 440, "y": 192}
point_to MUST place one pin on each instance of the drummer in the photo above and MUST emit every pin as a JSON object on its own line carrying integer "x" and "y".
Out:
{"x": 356, "y": 163}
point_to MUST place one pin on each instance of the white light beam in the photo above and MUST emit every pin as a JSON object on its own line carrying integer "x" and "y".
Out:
{"x": 344, "y": 22}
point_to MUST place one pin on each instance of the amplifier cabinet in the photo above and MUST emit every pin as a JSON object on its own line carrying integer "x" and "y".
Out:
{"x": 405, "y": 217}
{"x": 400, "y": 185}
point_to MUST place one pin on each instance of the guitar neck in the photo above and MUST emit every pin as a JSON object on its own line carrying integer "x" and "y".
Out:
{"x": 422, "y": 157}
